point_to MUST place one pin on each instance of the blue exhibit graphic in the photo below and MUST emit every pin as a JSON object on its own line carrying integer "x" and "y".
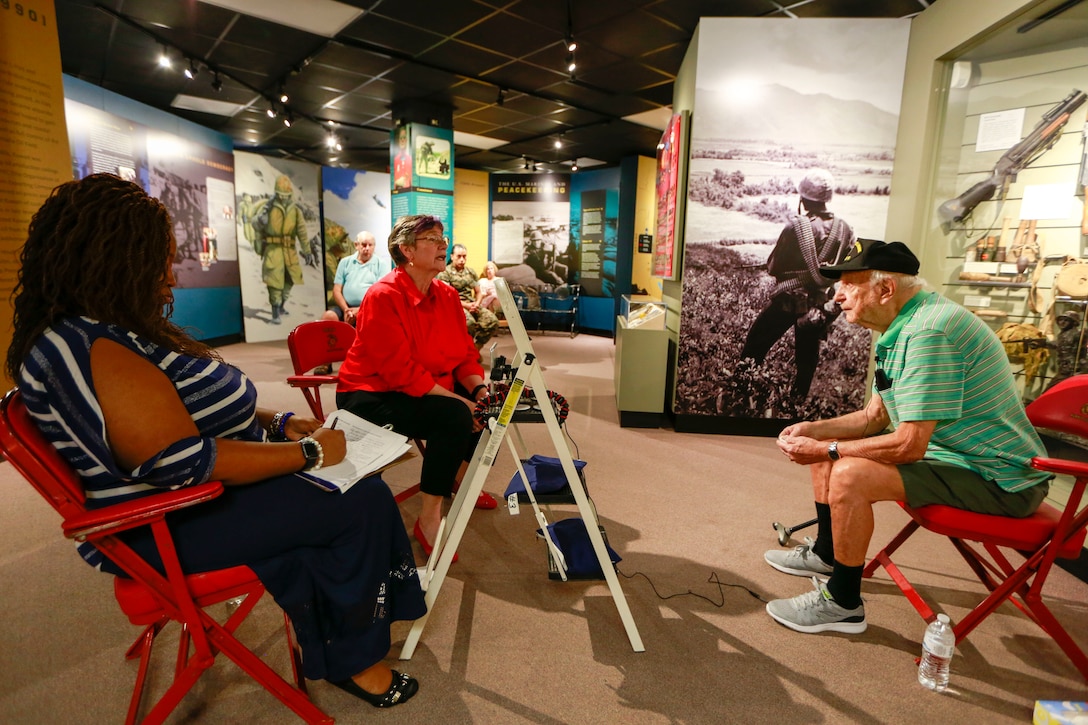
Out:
{"x": 594, "y": 229}
{"x": 352, "y": 202}
{"x": 421, "y": 158}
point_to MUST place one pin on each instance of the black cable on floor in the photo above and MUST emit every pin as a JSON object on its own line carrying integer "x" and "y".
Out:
{"x": 712, "y": 580}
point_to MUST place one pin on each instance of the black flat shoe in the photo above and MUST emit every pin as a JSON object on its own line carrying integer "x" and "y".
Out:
{"x": 400, "y": 690}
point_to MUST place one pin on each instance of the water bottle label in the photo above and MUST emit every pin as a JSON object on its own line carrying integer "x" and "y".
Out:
{"x": 936, "y": 648}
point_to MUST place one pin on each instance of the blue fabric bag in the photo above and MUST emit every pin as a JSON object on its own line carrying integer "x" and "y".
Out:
{"x": 545, "y": 475}
{"x": 572, "y": 538}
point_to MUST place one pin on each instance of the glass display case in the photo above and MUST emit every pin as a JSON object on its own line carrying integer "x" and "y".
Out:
{"x": 1008, "y": 215}
{"x": 642, "y": 311}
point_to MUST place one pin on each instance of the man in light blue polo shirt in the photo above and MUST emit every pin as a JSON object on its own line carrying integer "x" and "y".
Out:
{"x": 959, "y": 435}
{"x": 354, "y": 275}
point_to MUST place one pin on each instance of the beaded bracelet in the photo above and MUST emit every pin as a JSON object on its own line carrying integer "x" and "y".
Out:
{"x": 277, "y": 427}
{"x": 283, "y": 424}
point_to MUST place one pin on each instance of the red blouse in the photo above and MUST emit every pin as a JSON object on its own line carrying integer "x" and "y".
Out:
{"x": 407, "y": 341}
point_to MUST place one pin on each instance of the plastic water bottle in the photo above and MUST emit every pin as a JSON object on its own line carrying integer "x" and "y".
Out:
{"x": 937, "y": 648}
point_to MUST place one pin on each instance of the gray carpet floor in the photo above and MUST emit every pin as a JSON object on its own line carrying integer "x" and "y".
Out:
{"x": 691, "y": 515}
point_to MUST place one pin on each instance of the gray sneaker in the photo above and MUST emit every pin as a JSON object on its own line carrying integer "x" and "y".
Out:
{"x": 816, "y": 611}
{"x": 799, "y": 561}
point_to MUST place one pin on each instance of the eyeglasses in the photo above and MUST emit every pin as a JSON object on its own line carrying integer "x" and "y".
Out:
{"x": 436, "y": 240}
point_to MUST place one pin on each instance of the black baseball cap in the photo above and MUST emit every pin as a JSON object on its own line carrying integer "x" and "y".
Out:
{"x": 874, "y": 254}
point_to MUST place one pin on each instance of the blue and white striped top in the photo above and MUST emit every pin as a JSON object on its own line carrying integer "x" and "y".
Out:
{"x": 56, "y": 384}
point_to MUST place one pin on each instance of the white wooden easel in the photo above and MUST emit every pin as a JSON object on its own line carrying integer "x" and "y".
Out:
{"x": 454, "y": 524}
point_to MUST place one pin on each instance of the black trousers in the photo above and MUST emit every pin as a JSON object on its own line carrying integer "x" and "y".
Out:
{"x": 777, "y": 317}
{"x": 444, "y": 423}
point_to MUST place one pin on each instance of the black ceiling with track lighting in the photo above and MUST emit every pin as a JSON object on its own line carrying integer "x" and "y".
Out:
{"x": 501, "y": 66}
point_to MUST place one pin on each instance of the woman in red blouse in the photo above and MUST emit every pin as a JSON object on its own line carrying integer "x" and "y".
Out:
{"x": 414, "y": 365}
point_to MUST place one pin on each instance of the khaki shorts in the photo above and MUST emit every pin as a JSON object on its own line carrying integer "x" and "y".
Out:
{"x": 927, "y": 482}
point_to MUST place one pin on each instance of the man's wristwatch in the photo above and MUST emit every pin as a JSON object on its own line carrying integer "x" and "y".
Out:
{"x": 833, "y": 451}
{"x": 314, "y": 455}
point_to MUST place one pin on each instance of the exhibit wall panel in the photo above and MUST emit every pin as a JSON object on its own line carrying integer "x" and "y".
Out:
{"x": 645, "y": 219}
{"x": 190, "y": 169}
{"x": 285, "y": 258}
{"x": 34, "y": 146}
{"x": 352, "y": 201}
{"x": 531, "y": 241}
{"x": 471, "y": 194}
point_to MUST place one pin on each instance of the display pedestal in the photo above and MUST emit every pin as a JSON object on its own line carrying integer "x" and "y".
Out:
{"x": 640, "y": 368}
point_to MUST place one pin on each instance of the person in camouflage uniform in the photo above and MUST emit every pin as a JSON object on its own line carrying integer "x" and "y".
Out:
{"x": 280, "y": 268}
{"x": 482, "y": 322}
{"x": 338, "y": 245}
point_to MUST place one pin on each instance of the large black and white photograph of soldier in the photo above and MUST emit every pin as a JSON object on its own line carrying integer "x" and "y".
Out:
{"x": 280, "y": 255}
{"x": 793, "y": 136}
{"x": 530, "y": 241}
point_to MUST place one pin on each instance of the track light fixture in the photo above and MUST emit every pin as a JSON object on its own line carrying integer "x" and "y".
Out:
{"x": 271, "y": 110}
{"x": 217, "y": 83}
{"x": 569, "y": 41}
{"x": 191, "y": 71}
{"x": 284, "y": 98}
{"x": 502, "y": 96}
{"x": 333, "y": 142}
{"x": 288, "y": 119}
{"x": 559, "y": 142}
{"x": 573, "y": 165}
{"x": 164, "y": 58}
{"x": 525, "y": 164}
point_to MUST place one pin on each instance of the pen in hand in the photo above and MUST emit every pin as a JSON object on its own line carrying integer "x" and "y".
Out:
{"x": 334, "y": 422}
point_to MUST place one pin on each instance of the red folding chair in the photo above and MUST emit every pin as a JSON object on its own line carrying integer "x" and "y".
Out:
{"x": 324, "y": 342}
{"x": 312, "y": 344}
{"x": 986, "y": 542}
{"x": 148, "y": 598}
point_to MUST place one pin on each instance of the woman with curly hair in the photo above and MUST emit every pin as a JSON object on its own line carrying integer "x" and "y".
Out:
{"x": 136, "y": 406}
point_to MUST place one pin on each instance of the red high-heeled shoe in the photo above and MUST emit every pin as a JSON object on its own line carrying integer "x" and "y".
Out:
{"x": 422, "y": 539}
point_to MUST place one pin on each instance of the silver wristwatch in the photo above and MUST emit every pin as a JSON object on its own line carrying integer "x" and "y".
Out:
{"x": 833, "y": 451}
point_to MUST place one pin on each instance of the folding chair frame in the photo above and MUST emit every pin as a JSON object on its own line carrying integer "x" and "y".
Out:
{"x": 150, "y": 597}
{"x": 984, "y": 541}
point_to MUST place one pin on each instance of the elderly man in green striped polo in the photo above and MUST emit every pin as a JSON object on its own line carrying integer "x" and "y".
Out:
{"x": 958, "y": 432}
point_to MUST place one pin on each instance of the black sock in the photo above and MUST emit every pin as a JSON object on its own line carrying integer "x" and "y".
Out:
{"x": 825, "y": 545}
{"x": 844, "y": 586}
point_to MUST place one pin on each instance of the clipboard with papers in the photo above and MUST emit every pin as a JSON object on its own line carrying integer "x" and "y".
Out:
{"x": 370, "y": 449}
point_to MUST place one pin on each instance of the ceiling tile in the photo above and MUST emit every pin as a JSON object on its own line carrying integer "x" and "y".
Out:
{"x": 468, "y": 59}
{"x": 457, "y": 52}
{"x": 383, "y": 32}
{"x": 357, "y": 61}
